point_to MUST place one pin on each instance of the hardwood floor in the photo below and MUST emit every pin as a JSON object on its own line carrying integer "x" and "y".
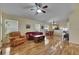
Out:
{"x": 51, "y": 46}
{"x": 30, "y": 47}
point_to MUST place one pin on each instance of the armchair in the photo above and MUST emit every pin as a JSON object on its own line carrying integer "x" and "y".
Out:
{"x": 16, "y": 38}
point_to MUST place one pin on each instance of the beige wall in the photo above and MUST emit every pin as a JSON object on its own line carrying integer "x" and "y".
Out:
{"x": 74, "y": 25}
{"x": 63, "y": 24}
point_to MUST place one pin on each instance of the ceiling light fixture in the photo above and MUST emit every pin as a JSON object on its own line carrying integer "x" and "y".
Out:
{"x": 39, "y": 11}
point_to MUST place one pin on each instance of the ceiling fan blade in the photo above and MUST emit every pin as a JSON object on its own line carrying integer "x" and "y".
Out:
{"x": 43, "y": 11}
{"x": 45, "y": 6}
{"x": 38, "y": 4}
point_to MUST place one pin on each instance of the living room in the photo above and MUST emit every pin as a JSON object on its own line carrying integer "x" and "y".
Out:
{"x": 25, "y": 30}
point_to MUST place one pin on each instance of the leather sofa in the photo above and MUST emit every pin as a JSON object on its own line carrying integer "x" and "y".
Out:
{"x": 30, "y": 35}
{"x": 16, "y": 38}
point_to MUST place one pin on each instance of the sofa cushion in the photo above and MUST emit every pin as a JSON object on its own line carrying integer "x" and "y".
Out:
{"x": 34, "y": 33}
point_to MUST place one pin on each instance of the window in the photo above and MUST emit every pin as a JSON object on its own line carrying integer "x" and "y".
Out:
{"x": 11, "y": 26}
{"x": 46, "y": 28}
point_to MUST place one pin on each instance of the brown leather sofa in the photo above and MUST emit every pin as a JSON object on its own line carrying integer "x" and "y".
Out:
{"x": 16, "y": 38}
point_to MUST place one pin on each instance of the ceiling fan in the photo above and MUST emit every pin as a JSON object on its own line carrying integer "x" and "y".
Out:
{"x": 39, "y": 8}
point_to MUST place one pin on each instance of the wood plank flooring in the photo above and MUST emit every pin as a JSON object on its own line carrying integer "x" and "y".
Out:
{"x": 50, "y": 46}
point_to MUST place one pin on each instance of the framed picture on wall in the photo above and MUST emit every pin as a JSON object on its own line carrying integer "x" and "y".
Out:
{"x": 28, "y": 26}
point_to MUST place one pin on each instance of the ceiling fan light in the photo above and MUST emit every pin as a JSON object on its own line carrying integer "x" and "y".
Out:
{"x": 39, "y": 11}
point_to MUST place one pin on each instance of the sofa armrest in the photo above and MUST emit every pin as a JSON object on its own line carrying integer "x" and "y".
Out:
{"x": 13, "y": 38}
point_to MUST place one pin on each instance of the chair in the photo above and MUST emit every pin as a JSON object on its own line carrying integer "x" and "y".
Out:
{"x": 16, "y": 38}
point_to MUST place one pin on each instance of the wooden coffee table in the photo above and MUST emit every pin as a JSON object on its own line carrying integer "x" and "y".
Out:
{"x": 38, "y": 38}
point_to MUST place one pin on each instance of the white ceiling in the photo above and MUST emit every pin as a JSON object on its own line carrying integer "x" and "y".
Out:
{"x": 56, "y": 11}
